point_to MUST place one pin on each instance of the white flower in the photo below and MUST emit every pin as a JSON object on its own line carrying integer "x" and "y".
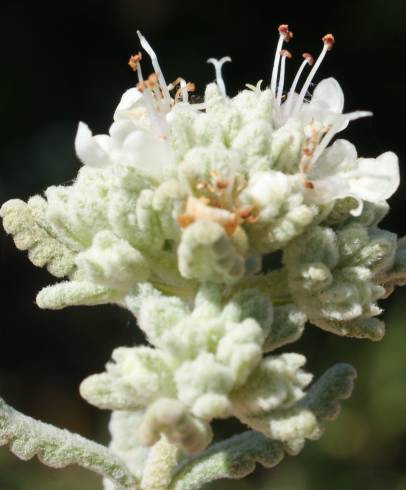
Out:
{"x": 285, "y": 138}
{"x": 340, "y": 173}
{"x": 268, "y": 191}
{"x": 130, "y": 142}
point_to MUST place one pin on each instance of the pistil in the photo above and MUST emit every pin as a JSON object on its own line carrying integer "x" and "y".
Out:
{"x": 218, "y": 65}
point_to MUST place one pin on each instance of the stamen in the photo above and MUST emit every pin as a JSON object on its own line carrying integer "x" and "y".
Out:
{"x": 190, "y": 86}
{"x": 165, "y": 92}
{"x": 185, "y": 95}
{"x": 334, "y": 128}
{"x": 285, "y": 54}
{"x": 218, "y": 64}
{"x": 134, "y": 61}
{"x": 144, "y": 86}
{"x": 308, "y": 60}
{"x": 284, "y": 35}
{"x": 328, "y": 42}
{"x": 174, "y": 84}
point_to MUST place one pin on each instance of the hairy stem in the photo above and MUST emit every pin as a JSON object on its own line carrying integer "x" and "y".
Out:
{"x": 161, "y": 463}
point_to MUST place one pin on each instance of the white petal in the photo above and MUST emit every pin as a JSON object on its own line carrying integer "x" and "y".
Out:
{"x": 144, "y": 150}
{"x": 338, "y": 157}
{"x": 375, "y": 179}
{"x": 328, "y": 189}
{"x": 128, "y": 101}
{"x": 88, "y": 149}
{"x": 104, "y": 141}
{"x": 328, "y": 96}
{"x": 268, "y": 191}
{"x": 352, "y": 116}
{"x": 119, "y": 130}
{"x": 372, "y": 180}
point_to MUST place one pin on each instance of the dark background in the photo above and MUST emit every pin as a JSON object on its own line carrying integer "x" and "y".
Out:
{"x": 66, "y": 61}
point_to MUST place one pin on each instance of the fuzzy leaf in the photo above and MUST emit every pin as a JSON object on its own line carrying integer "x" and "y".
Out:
{"x": 234, "y": 458}
{"x": 29, "y": 234}
{"x": 59, "y": 448}
{"x": 71, "y": 293}
{"x": 287, "y": 327}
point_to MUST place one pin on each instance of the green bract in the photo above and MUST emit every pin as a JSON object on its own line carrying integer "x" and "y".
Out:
{"x": 172, "y": 216}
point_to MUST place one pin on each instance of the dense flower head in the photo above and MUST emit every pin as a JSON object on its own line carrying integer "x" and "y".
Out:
{"x": 173, "y": 215}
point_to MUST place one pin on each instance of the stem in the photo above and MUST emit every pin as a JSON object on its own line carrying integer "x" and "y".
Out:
{"x": 161, "y": 463}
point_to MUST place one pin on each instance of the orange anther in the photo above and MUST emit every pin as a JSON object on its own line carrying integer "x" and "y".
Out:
{"x": 328, "y": 40}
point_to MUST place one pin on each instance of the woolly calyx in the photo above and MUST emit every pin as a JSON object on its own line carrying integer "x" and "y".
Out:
{"x": 207, "y": 363}
{"x": 171, "y": 418}
{"x": 136, "y": 378}
{"x": 287, "y": 327}
{"x": 207, "y": 253}
{"x": 201, "y": 355}
{"x": 112, "y": 262}
{"x": 332, "y": 277}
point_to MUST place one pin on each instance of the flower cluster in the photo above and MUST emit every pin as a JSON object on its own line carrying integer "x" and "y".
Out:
{"x": 172, "y": 215}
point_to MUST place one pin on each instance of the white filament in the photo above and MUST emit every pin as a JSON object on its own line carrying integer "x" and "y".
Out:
{"x": 218, "y": 64}
{"x": 276, "y": 63}
{"x": 183, "y": 86}
{"x": 281, "y": 82}
{"x": 154, "y": 59}
{"x": 310, "y": 77}
{"x": 289, "y": 101}
{"x": 334, "y": 128}
{"x": 157, "y": 122}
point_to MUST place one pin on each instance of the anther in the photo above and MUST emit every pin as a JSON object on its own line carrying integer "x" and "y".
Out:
{"x": 190, "y": 87}
{"x": 284, "y": 35}
{"x": 165, "y": 92}
{"x": 134, "y": 60}
{"x": 286, "y": 53}
{"x": 308, "y": 184}
{"x": 285, "y": 32}
{"x": 309, "y": 58}
{"x": 329, "y": 41}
